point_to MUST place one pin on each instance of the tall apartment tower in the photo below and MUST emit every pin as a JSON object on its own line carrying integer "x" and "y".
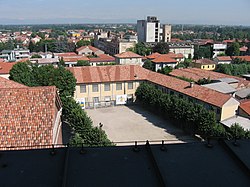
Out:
{"x": 166, "y": 35}
{"x": 148, "y": 30}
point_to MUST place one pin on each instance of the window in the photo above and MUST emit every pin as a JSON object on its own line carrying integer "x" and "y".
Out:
{"x": 107, "y": 87}
{"x": 130, "y": 85}
{"x": 107, "y": 98}
{"x": 82, "y": 88}
{"x": 118, "y": 86}
{"x": 95, "y": 88}
{"x": 96, "y": 99}
{"x": 207, "y": 66}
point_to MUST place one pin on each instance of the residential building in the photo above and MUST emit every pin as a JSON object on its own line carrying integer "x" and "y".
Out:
{"x": 196, "y": 74}
{"x": 205, "y": 64}
{"x": 164, "y": 60}
{"x": 223, "y": 60}
{"x": 114, "y": 46}
{"x": 30, "y": 116}
{"x": 101, "y": 60}
{"x": 100, "y": 84}
{"x": 89, "y": 50}
{"x": 45, "y": 61}
{"x": 128, "y": 58}
{"x": 150, "y": 30}
{"x": 16, "y": 54}
{"x": 219, "y": 48}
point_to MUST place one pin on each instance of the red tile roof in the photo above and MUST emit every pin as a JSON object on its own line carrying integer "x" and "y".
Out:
{"x": 164, "y": 59}
{"x": 243, "y": 49}
{"x": 196, "y": 74}
{"x": 75, "y": 58}
{"x": 128, "y": 54}
{"x": 94, "y": 74}
{"x": 102, "y": 58}
{"x": 27, "y": 116}
{"x": 245, "y": 106}
{"x": 204, "y": 61}
{"x": 5, "y": 83}
{"x": 89, "y": 47}
{"x": 5, "y": 67}
{"x": 153, "y": 55}
{"x": 246, "y": 58}
{"x": 174, "y": 55}
{"x": 224, "y": 58}
{"x": 65, "y": 54}
{"x": 98, "y": 74}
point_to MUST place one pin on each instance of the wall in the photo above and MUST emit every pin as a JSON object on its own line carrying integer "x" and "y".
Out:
{"x": 101, "y": 94}
{"x": 129, "y": 61}
{"x": 183, "y": 50}
{"x": 229, "y": 109}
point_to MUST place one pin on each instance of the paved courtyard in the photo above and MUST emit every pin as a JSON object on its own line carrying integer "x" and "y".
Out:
{"x": 124, "y": 125}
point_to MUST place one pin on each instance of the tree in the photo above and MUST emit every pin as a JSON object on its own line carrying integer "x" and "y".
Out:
{"x": 36, "y": 56}
{"x": 81, "y": 43}
{"x": 22, "y": 73}
{"x": 161, "y": 48}
{"x": 233, "y": 49}
{"x": 141, "y": 49}
{"x": 202, "y": 52}
{"x": 237, "y": 131}
{"x": 82, "y": 63}
{"x": 204, "y": 81}
{"x": 149, "y": 65}
{"x": 166, "y": 70}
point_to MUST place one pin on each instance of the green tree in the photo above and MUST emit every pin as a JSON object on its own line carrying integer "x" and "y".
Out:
{"x": 81, "y": 43}
{"x": 82, "y": 63}
{"x": 162, "y": 48}
{"x": 233, "y": 49}
{"x": 204, "y": 81}
{"x": 36, "y": 56}
{"x": 149, "y": 65}
{"x": 22, "y": 73}
{"x": 141, "y": 49}
{"x": 166, "y": 70}
{"x": 237, "y": 131}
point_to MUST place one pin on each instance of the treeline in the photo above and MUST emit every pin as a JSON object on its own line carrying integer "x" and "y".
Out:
{"x": 234, "y": 69}
{"x": 190, "y": 116}
{"x": 73, "y": 115}
{"x": 56, "y": 46}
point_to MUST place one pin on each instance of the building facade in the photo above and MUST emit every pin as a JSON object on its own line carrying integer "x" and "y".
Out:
{"x": 150, "y": 30}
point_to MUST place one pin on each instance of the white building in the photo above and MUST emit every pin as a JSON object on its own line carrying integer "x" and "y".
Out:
{"x": 16, "y": 54}
{"x": 128, "y": 58}
{"x": 219, "y": 48}
{"x": 150, "y": 30}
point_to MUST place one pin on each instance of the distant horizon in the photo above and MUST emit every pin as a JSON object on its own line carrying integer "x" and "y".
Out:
{"x": 76, "y": 21}
{"x": 211, "y": 12}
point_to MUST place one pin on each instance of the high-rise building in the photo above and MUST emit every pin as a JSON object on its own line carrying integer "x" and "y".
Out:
{"x": 150, "y": 30}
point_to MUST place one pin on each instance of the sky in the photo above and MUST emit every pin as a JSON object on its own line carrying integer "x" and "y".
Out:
{"x": 215, "y": 12}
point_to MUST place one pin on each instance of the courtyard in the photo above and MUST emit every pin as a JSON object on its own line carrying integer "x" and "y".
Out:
{"x": 124, "y": 125}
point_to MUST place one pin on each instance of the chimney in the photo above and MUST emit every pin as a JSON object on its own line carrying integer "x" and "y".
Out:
{"x": 191, "y": 84}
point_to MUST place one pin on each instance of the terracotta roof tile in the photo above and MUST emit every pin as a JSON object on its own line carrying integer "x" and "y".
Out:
{"x": 246, "y": 58}
{"x": 204, "y": 61}
{"x": 94, "y": 49}
{"x": 98, "y": 74}
{"x": 245, "y": 106}
{"x": 27, "y": 116}
{"x": 102, "y": 58}
{"x": 128, "y": 54}
{"x": 164, "y": 59}
{"x": 196, "y": 74}
{"x": 5, "y": 67}
{"x": 75, "y": 58}
{"x": 65, "y": 54}
{"x": 5, "y": 83}
{"x": 153, "y": 55}
{"x": 224, "y": 58}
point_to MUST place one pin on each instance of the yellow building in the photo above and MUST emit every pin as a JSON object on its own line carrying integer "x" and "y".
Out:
{"x": 111, "y": 85}
{"x": 205, "y": 64}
